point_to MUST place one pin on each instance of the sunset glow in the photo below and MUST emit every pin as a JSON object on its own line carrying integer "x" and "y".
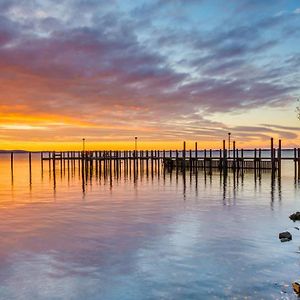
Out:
{"x": 165, "y": 71}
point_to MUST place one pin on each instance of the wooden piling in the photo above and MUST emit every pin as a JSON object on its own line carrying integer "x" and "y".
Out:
{"x": 183, "y": 154}
{"x": 224, "y": 160}
{"x": 196, "y": 154}
{"x": 42, "y": 159}
{"x": 279, "y": 158}
{"x": 272, "y": 155}
{"x": 242, "y": 158}
{"x": 12, "y": 162}
{"x": 234, "y": 158}
{"x": 29, "y": 160}
{"x": 295, "y": 162}
{"x": 298, "y": 150}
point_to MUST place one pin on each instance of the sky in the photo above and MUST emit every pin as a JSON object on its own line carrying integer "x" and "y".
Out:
{"x": 164, "y": 71}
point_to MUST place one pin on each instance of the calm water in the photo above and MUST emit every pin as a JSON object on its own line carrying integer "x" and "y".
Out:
{"x": 149, "y": 235}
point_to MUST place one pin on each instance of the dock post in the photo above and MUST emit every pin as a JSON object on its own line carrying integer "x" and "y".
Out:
{"x": 12, "y": 163}
{"x": 196, "y": 155}
{"x": 242, "y": 158}
{"x": 237, "y": 159}
{"x": 30, "y": 173}
{"x": 259, "y": 158}
{"x": 42, "y": 157}
{"x": 53, "y": 162}
{"x": 29, "y": 160}
{"x": 295, "y": 162}
{"x": 183, "y": 154}
{"x": 61, "y": 160}
{"x": 298, "y": 163}
{"x": 233, "y": 165}
{"x": 151, "y": 155}
{"x": 224, "y": 163}
{"x": 272, "y": 155}
{"x": 255, "y": 159}
{"x": 110, "y": 161}
{"x": 279, "y": 158}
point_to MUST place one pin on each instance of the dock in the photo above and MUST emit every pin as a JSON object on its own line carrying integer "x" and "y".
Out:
{"x": 221, "y": 159}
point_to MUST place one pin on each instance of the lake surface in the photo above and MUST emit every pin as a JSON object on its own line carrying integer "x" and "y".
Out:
{"x": 148, "y": 234}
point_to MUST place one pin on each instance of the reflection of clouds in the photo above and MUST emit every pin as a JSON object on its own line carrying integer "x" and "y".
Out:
{"x": 36, "y": 276}
{"x": 142, "y": 240}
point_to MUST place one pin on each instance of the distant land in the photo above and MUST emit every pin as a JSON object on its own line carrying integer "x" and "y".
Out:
{"x": 14, "y": 151}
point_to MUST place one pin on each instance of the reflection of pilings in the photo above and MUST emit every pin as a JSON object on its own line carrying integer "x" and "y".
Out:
{"x": 279, "y": 188}
{"x": 184, "y": 184}
{"x": 224, "y": 177}
{"x": 272, "y": 188}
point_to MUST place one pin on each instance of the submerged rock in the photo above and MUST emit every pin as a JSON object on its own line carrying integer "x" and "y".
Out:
{"x": 285, "y": 236}
{"x": 295, "y": 216}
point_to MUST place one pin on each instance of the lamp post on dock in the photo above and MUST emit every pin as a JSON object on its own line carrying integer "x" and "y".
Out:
{"x": 83, "y": 144}
{"x": 229, "y": 134}
{"x": 135, "y": 145}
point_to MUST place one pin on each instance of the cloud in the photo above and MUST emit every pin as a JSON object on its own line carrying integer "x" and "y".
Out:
{"x": 91, "y": 63}
{"x": 297, "y": 11}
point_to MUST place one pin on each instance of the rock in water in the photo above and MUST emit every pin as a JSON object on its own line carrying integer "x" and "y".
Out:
{"x": 285, "y": 236}
{"x": 296, "y": 287}
{"x": 295, "y": 216}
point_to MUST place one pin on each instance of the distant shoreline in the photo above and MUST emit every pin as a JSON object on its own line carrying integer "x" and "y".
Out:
{"x": 199, "y": 150}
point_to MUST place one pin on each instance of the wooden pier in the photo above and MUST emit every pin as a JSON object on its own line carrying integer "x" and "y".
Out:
{"x": 207, "y": 159}
{"x": 221, "y": 159}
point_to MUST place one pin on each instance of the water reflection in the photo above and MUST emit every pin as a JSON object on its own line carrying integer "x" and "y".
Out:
{"x": 136, "y": 230}
{"x": 134, "y": 171}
